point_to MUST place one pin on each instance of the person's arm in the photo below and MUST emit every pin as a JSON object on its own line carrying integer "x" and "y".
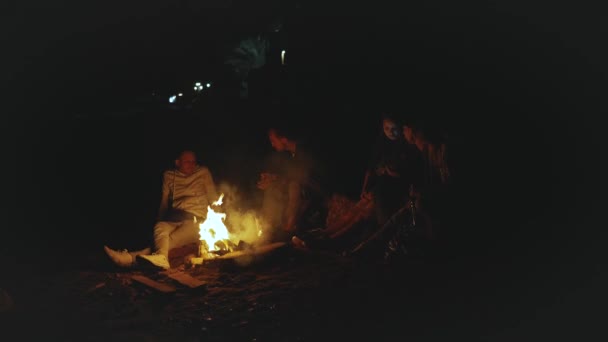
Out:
{"x": 164, "y": 200}
{"x": 372, "y": 167}
{"x": 364, "y": 189}
{"x": 266, "y": 179}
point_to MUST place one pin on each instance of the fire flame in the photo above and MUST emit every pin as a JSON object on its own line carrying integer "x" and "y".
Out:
{"x": 219, "y": 200}
{"x": 213, "y": 229}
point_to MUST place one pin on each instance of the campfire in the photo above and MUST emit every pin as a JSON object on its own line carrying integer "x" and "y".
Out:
{"x": 213, "y": 231}
{"x": 215, "y": 237}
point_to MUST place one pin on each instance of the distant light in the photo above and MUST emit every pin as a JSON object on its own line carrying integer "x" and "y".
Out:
{"x": 195, "y": 88}
{"x": 283, "y": 57}
{"x": 172, "y": 99}
{"x": 208, "y": 85}
{"x": 197, "y": 84}
{"x": 180, "y": 94}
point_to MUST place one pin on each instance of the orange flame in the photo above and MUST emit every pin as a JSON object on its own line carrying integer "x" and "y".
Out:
{"x": 213, "y": 229}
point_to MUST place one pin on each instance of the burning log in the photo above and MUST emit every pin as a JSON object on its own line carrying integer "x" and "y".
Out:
{"x": 225, "y": 246}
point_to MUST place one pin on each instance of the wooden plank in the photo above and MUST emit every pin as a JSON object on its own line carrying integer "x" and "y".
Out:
{"x": 253, "y": 252}
{"x": 153, "y": 283}
{"x": 186, "y": 279}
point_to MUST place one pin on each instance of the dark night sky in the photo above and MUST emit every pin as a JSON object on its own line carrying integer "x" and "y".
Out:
{"x": 519, "y": 86}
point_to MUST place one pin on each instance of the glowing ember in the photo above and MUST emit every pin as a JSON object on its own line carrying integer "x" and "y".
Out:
{"x": 213, "y": 229}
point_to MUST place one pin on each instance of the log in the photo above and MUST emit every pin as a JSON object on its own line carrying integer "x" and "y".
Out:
{"x": 257, "y": 251}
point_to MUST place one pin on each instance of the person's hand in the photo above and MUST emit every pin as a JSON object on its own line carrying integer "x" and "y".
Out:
{"x": 367, "y": 195}
{"x": 391, "y": 172}
{"x": 266, "y": 179}
{"x": 386, "y": 170}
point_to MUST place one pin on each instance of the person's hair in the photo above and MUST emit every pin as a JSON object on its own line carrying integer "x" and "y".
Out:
{"x": 389, "y": 116}
{"x": 284, "y": 131}
{"x": 184, "y": 151}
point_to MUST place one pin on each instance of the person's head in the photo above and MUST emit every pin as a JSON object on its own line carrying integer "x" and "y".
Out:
{"x": 411, "y": 122}
{"x": 408, "y": 132}
{"x": 428, "y": 137}
{"x": 279, "y": 140}
{"x": 186, "y": 162}
{"x": 390, "y": 127}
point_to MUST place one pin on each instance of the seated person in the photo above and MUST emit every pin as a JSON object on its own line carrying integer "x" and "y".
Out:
{"x": 289, "y": 184}
{"x": 187, "y": 191}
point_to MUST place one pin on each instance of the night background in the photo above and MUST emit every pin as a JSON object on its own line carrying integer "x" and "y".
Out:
{"x": 519, "y": 87}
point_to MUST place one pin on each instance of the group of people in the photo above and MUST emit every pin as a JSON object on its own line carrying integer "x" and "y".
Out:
{"x": 408, "y": 168}
{"x": 409, "y": 162}
{"x": 408, "y": 176}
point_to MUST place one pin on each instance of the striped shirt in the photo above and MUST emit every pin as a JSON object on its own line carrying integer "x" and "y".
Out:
{"x": 190, "y": 193}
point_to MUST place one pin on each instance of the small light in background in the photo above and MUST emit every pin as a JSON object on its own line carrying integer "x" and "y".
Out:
{"x": 283, "y": 57}
{"x": 180, "y": 94}
{"x": 172, "y": 99}
{"x": 208, "y": 85}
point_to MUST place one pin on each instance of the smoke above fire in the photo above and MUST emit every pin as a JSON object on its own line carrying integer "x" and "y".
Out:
{"x": 244, "y": 224}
